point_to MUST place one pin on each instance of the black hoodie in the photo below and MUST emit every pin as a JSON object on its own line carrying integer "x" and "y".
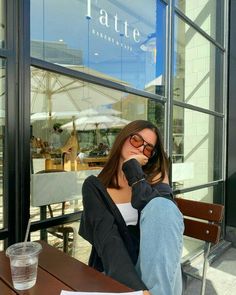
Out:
{"x": 115, "y": 246}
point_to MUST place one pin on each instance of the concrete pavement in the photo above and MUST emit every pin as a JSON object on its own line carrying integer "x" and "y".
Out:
{"x": 221, "y": 276}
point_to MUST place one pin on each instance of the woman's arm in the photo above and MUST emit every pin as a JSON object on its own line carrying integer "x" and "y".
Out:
{"x": 142, "y": 191}
{"x": 99, "y": 228}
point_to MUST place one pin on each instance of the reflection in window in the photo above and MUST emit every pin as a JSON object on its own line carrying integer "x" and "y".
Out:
{"x": 62, "y": 107}
{"x": 69, "y": 115}
{"x": 206, "y": 14}
{"x": 178, "y": 136}
{"x": 73, "y": 126}
{"x": 197, "y": 148}
{"x": 2, "y": 132}
{"x": 82, "y": 247}
{"x": 203, "y": 195}
{"x": 107, "y": 38}
{"x": 2, "y": 24}
{"x": 198, "y": 70}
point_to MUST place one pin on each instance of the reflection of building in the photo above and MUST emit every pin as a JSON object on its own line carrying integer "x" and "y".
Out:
{"x": 156, "y": 86}
{"x": 132, "y": 107}
{"x": 56, "y": 52}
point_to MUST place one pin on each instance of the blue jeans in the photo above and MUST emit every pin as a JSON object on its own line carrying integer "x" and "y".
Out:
{"x": 161, "y": 243}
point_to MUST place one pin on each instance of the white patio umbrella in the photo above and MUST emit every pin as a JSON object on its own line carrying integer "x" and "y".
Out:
{"x": 103, "y": 110}
{"x": 53, "y": 92}
{"x": 54, "y": 115}
{"x": 2, "y": 117}
{"x": 96, "y": 123}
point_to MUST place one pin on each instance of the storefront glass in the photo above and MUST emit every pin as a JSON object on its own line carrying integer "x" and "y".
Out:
{"x": 78, "y": 248}
{"x": 2, "y": 24}
{"x": 2, "y": 129}
{"x": 198, "y": 69}
{"x": 109, "y": 38}
{"x": 197, "y": 150}
{"x": 73, "y": 126}
{"x": 207, "y": 14}
{"x": 123, "y": 42}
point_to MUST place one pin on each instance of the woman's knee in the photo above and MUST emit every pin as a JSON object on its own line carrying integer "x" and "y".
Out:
{"x": 162, "y": 211}
{"x": 161, "y": 206}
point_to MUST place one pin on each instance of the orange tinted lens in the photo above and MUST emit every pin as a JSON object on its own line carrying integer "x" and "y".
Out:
{"x": 136, "y": 140}
{"x": 148, "y": 150}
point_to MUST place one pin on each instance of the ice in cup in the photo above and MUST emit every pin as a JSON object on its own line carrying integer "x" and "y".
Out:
{"x": 24, "y": 264}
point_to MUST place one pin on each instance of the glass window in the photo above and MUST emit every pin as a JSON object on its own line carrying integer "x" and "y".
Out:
{"x": 207, "y": 14}
{"x": 198, "y": 69}
{"x": 77, "y": 247}
{"x": 197, "y": 148}
{"x": 73, "y": 125}
{"x": 61, "y": 108}
{"x": 2, "y": 24}
{"x": 202, "y": 195}
{"x": 105, "y": 38}
{"x": 2, "y": 132}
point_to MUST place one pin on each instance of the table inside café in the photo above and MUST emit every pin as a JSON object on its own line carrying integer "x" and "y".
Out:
{"x": 95, "y": 161}
{"x": 58, "y": 271}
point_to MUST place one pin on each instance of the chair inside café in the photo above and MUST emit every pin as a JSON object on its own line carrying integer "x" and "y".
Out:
{"x": 50, "y": 191}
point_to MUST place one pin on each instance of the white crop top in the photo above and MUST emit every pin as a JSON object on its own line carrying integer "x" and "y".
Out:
{"x": 129, "y": 213}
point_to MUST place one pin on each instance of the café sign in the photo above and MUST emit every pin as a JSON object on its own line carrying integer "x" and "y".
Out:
{"x": 113, "y": 22}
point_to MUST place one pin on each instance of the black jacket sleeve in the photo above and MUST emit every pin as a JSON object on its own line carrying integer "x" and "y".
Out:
{"x": 142, "y": 191}
{"x": 99, "y": 228}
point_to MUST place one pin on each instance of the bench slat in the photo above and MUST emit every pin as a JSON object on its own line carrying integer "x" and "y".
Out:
{"x": 201, "y": 210}
{"x": 202, "y": 231}
{"x": 202, "y": 221}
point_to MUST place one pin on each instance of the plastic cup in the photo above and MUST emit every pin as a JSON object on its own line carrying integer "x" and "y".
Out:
{"x": 24, "y": 264}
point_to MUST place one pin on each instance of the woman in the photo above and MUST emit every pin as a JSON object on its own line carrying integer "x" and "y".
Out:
{"x": 129, "y": 215}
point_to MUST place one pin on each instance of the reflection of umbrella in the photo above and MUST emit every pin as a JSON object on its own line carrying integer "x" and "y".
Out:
{"x": 96, "y": 123}
{"x": 54, "y": 115}
{"x": 98, "y": 112}
{"x": 100, "y": 118}
{"x": 56, "y": 93}
{"x": 52, "y": 92}
{"x": 2, "y": 117}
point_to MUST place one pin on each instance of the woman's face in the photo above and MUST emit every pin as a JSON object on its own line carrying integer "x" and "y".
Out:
{"x": 149, "y": 140}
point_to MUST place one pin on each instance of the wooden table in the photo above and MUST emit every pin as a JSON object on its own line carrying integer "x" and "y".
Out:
{"x": 94, "y": 161}
{"x": 58, "y": 271}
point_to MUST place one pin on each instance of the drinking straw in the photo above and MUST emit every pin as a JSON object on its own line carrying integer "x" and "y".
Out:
{"x": 26, "y": 235}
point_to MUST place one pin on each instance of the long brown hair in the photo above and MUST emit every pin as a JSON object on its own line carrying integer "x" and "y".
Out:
{"x": 157, "y": 164}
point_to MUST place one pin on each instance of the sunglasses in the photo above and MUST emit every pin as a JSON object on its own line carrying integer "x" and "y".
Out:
{"x": 137, "y": 141}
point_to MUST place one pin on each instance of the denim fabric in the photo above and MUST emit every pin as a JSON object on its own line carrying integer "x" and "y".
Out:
{"x": 161, "y": 243}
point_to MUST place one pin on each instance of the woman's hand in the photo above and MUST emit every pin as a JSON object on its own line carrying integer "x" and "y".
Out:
{"x": 146, "y": 292}
{"x": 142, "y": 159}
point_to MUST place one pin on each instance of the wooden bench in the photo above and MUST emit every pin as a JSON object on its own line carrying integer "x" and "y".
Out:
{"x": 203, "y": 222}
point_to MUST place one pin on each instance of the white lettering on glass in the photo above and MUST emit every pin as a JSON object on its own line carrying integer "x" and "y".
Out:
{"x": 116, "y": 23}
{"x": 136, "y": 35}
{"x": 106, "y": 21}
{"x": 126, "y": 29}
{"x": 103, "y": 19}
{"x": 109, "y": 39}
